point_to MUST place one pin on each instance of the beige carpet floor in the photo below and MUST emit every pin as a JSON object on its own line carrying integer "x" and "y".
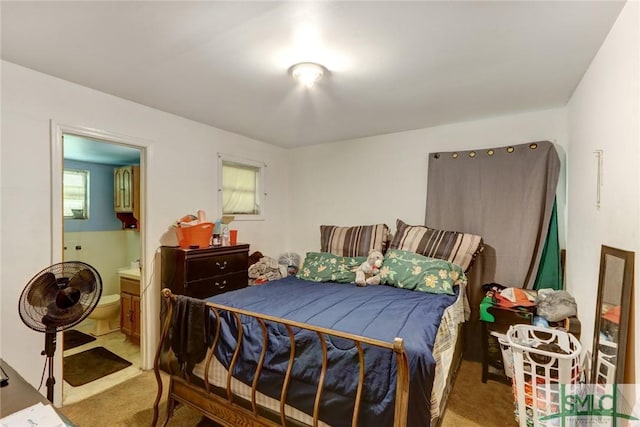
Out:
{"x": 471, "y": 403}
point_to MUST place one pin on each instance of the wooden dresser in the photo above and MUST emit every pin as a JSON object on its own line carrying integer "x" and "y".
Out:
{"x": 201, "y": 273}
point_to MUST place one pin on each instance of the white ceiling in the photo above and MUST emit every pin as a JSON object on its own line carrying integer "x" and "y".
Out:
{"x": 88, "y": 150}
{"x": 394, "y": 66}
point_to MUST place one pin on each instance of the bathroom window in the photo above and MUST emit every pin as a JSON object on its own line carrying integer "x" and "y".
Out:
{"x": 241, "y": 188}
{"x": 76, "y": 194}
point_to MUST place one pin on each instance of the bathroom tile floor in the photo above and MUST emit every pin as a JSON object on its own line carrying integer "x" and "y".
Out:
{"x": 115, "y": 342}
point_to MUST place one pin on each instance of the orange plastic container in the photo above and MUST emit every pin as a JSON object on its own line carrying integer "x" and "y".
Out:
{"x": 196, "y": 235}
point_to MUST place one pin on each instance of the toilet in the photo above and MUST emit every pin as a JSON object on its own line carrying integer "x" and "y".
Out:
{"x": 106, "y": 315}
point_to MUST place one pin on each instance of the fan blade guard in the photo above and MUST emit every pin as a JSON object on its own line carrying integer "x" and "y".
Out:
{"x": 44, "y": 288}
{"x": 60, "y": 296}
{"x": 84, "y": 281}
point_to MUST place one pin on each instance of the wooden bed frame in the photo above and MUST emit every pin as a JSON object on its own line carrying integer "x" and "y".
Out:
{"x": 222, "y": 406}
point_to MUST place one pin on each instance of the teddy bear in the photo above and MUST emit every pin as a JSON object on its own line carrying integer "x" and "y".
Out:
{"x": 368, "y": 273}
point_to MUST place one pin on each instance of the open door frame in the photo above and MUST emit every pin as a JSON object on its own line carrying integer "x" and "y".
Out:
{"x": 148, "y": 333}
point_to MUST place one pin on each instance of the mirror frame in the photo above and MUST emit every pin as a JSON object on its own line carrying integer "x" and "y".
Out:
{"x": 625, "y": 305}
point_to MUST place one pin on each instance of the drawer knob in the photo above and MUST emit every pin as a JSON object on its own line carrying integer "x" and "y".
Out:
{"x": 221, "y": 266}
{"x": 222, "y": 285}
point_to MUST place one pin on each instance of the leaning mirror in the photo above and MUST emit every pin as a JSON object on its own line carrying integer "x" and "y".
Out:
{"x": 612, "y": 315}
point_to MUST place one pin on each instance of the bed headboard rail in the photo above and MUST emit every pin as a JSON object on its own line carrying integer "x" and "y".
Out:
{"x": 226, "y": 409}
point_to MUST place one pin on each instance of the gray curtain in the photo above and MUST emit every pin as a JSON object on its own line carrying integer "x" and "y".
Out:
{"x": 503, "y": 194}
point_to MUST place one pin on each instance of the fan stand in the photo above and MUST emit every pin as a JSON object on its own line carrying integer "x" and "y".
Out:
{"x": 49, "y": 350}
{"x": 57, "y": 298}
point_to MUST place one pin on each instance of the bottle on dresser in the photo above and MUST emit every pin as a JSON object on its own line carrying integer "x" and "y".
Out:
{"x": 217, "y": 241}
{"x": 225, "y": 235}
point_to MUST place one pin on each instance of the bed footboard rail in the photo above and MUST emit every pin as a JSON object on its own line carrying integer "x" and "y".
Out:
{"x": 227, "y": 408}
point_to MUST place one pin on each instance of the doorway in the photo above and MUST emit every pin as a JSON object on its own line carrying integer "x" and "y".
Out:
{"x": 109, "y": 238}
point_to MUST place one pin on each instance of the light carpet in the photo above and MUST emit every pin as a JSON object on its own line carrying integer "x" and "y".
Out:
{"x": 471, "y": 403}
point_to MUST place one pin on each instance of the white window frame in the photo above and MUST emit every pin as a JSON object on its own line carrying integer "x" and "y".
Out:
{"x": 85, "y": 207}
{"x": 261, "y": 193}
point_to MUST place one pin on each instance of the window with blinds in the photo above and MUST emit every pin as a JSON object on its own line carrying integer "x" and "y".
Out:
{"x": 241, "y": 188}
{"x": 76, "y": 194}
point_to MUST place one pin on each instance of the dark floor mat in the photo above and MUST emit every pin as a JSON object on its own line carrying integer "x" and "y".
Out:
{"x": 73, "y": 338}
{"x": 90, "y": 365}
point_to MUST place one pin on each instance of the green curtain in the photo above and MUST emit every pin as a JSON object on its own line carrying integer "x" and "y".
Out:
{"x": 550, "y": 269}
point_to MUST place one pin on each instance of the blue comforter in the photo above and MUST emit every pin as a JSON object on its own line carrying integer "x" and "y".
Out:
{"x": 380, "y": 312}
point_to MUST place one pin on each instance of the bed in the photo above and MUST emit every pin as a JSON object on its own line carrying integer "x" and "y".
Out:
{"x": 312, "y": 350}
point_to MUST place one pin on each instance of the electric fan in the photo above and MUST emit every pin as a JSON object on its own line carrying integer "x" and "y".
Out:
{"x": 291, "y": 261}
{"x": 57, "y": 298}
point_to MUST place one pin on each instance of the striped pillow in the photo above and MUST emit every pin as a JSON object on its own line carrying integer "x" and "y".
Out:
{"x": 453, "y": 246}
{"x": 353, "y": 241}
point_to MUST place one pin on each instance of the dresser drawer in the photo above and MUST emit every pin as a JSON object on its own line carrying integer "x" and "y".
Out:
{"x": 205, "y": 288}
{"x": 203, "y": 272}
{"x": 201, "y": 267}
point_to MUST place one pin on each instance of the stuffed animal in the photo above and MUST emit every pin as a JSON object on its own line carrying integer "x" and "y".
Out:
{"x": 368, "y": 273}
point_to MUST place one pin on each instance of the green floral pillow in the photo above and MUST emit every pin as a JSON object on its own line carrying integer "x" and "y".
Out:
{"x": 409, "y": 270}
{"x": 326, "y": 267}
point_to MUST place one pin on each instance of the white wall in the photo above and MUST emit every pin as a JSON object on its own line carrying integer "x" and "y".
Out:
{"x": 382, "y": 178}
{"x": 603, "y": 114}
{"x": 106, "y": 251}
{"x": 181, "y": 178}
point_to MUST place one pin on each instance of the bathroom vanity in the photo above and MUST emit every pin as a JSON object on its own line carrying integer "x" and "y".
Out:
{"x": 130, "y": 303}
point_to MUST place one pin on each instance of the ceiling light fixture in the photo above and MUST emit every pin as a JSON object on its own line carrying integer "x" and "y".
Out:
{"x": 307, "y": 73}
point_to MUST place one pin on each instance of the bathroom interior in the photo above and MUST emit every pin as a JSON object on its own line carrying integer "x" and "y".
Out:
{"x": 103, "y": 230}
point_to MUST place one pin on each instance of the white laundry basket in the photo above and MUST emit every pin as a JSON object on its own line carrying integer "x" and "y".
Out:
{"x": 544, "y": 361}
{"x": 507, "y": 358}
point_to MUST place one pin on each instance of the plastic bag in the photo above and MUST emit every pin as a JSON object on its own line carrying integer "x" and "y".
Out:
{"x": 555, "y": 305}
